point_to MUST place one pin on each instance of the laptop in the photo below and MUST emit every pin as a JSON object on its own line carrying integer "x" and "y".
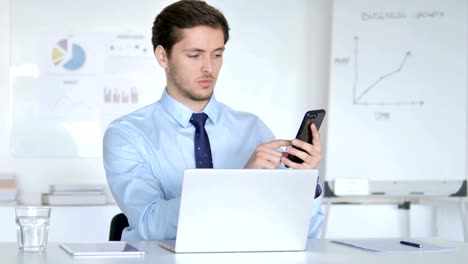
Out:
{"x": 242, "y": 210}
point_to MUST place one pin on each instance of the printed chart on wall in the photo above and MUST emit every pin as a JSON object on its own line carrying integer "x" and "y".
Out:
{"x": 73, "y": 85}
{"x": 85, "y": 74}
{"x": 398, "y": 91}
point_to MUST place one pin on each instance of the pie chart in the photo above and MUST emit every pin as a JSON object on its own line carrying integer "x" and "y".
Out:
{"x": 68, "y": 55}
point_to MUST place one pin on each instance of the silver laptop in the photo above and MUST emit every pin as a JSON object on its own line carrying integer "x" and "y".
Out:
{"x": 244, "y": 210}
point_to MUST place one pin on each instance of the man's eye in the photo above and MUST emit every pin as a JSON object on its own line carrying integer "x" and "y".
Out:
{"x": 218, "y": 55}
{"x": 194, "y": 55}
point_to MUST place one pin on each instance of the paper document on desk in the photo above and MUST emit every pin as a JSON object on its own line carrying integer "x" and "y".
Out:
{"x": 392, "y": 245}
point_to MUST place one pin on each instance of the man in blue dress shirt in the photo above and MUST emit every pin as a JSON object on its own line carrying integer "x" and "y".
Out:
{"x": 147, "y": 151}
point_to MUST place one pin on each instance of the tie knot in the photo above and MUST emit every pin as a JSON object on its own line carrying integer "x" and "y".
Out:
{"x": 198, "y": 119}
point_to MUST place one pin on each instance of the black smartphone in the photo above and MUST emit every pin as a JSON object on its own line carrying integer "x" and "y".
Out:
{"x": 305, "y": 133}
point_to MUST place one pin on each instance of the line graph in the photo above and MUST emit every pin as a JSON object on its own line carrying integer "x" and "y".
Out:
{"x": 358, "y": 98}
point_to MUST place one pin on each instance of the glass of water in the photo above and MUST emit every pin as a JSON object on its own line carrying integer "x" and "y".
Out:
{"x": 32, "y": 227}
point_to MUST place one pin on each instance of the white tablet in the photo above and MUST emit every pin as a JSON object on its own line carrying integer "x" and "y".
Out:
{"x": 114, "y": 248}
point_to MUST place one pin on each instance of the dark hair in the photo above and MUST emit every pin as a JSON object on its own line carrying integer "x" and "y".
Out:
{"x": 182, "y": 15}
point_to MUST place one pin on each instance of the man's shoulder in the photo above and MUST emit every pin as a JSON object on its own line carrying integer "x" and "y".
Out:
{"x": 239, "y": 115}
{"x": 247, "y": 122}
{"x": 137, "y": 118}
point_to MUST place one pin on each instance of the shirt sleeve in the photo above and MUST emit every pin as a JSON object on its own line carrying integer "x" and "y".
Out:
{"x": 136, "y": 190}
{"x": 316, "y": 221}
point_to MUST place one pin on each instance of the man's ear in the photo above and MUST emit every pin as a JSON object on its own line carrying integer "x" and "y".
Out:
{"x": 161, "y": 56}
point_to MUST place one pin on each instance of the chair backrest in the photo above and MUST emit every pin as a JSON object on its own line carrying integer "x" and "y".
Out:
{"x": 118, "y": 223}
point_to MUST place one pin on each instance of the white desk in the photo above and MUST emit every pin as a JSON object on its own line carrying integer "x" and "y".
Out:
{"x": 318, "y": 251}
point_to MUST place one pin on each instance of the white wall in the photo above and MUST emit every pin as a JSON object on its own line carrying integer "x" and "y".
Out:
{"x": 35, "y": 175}
{"x": 6, "y": 162}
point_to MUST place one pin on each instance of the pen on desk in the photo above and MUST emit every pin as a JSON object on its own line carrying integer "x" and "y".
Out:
{"x": 411, "y": 244}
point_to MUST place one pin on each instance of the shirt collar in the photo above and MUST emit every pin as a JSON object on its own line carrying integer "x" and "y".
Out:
{"x": 182, "y": 113}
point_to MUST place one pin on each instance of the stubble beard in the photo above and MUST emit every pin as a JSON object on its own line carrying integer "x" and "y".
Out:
{"x": 186, "y": 93}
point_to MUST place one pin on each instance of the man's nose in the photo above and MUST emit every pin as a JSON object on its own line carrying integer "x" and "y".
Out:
{"x": 207, "y": 66}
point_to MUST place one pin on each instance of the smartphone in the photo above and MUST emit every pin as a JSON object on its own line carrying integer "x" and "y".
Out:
{"x": 305, "y": 133}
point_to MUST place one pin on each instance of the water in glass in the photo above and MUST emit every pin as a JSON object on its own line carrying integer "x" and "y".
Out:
{"x": 32, "y": 232}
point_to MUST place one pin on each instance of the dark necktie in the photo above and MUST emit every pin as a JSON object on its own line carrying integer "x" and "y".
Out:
{"x": 202, "y": 142}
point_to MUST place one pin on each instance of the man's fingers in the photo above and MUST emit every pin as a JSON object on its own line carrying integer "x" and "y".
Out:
{"x": 271, "y": 156}
{"x": 310, "y": 149}
{"x": 315, "y": 137}
{"x": 297, "y": 152}
{"x": 275, "y": 144}
{"x": 269, "y": 151}
{"x": 293, "y": 165}
{"x": 289, "y": 163}
{"x": 307, "y": 152}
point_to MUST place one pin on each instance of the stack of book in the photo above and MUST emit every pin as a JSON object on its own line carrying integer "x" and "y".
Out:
{"x": 75, "y": 194}
{"x": 7, "y": 189}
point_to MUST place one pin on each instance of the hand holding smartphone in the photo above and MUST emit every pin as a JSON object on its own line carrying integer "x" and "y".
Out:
{"x": 305, "y": 133}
